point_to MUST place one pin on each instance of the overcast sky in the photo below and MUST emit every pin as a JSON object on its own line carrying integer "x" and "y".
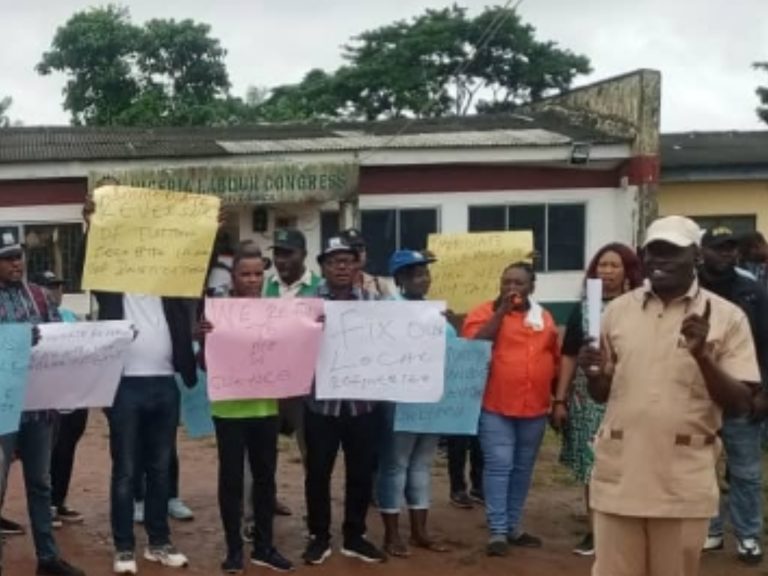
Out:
{"x": 704, "y": 48}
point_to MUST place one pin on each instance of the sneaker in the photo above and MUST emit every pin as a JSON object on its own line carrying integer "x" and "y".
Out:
{"x": 56, "y": 521}
{"x": 461, "y": 500}
{"x": 10, "y": 528}
{"x": 68, "y": 516}
{"x": 750, "y": 551}
{"x": 166, "y": 555}
{"x": 498, "y": 547}
{"x": 524, "y": 540}
{"x": 477, "y": 497}
{"x": 57, "y": 567}
{"x": 586, "y": 547}
{"x": 713, "y": 543}
{"x": 138, "y": 512}
{"x": 362, "y": 549}
{"x": 125, "y": 563}
{"x": 233, "y": 563}
{"x": 318, "y": 551}
{"x": 179, "y": 511}
{"x": 271, "y": 559}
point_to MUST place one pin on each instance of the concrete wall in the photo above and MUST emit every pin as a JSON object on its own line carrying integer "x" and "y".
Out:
{"x": 716, "y": 199}
{"x": 609, "y": 217}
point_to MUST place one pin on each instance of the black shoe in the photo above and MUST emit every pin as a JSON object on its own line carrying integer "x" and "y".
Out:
{"x": 318, "y": 551}
{"x": 363, "y": 550}
{"x": 57, "y": 567}
{"x": 10, "y": 528}
{"x": 477, "y": 497}
{"x": 233, "y": 563}
{"x": 497, "y": 547}
{"x": 461, "y": 500}
{"x": 67, "y": 515}
{"x": 272, "y": 559}
{"x": 586, "y": 547}
{"x": 524, "y": 540}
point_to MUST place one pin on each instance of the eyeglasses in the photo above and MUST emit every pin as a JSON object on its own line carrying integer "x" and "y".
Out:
{"x": 12, "y": 257}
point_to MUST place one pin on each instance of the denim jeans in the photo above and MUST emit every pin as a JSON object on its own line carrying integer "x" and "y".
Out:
{"x": 742, "y": 443}
{"x": 143, "y": 417}
{"x": 510, "y": 447}
{"x": 405, "y": 468}
{"x": 33, "y": 442}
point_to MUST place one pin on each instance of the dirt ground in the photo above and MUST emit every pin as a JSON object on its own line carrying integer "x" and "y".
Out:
{"x": 554, "y": 513}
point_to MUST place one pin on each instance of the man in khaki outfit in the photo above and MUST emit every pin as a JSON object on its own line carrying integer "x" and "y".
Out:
{"x": 672, "y": 357}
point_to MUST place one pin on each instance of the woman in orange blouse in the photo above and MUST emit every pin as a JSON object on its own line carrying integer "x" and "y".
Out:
{"x": 517, "y": 400}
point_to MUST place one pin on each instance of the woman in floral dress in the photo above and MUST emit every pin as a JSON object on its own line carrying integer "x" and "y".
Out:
{"x": 574, "y": 413}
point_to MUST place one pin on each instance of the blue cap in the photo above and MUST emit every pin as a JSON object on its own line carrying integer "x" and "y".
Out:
{"x": 404, "y": 258}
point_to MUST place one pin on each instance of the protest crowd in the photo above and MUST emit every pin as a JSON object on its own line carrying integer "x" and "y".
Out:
{"x": 661, "y": 365}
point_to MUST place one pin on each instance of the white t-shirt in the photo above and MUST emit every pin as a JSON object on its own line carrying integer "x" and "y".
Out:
{"x": 151, "y": 353}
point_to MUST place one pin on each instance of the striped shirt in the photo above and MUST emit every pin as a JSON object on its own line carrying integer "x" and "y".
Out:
{"x": 340, "y": 407}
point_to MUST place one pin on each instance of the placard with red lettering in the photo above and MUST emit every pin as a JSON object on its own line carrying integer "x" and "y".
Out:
{"x": 261, "y": 348}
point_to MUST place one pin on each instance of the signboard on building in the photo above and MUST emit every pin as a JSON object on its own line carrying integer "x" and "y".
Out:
{"x": 261, "y": 183}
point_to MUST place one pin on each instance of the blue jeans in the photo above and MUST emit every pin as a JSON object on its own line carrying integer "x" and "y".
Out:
{"x": 144, "y": 417}
{"x": 742, "y": 442}
{"x": 34, "y": 442}
{"x": 510, "y": 447}
{"x": 405, "y": 468}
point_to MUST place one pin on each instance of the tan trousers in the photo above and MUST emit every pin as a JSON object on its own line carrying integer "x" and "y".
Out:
{"x": 627, "y": 546}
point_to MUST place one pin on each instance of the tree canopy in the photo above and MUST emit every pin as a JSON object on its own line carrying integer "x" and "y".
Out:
{"x": 164, "y": 72}
{"x": 5, "y": 104}
{"x": 762, "y": 94}
{"x": 442, "y": 62}
{"x": 439, "y": 63}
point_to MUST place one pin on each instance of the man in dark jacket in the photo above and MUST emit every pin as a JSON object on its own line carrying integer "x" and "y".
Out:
{"x": 741, "y": 435}
{"x": 145, "y": 416}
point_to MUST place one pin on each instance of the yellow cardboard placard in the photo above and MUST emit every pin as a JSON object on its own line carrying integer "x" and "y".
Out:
{"x": 145, "y": 241}
{"x": 469, "y": 266}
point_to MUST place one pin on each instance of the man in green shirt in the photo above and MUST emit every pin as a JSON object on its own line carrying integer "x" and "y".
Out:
{"x": 292, "y": 280}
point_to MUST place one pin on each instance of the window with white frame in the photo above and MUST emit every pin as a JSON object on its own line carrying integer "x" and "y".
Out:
{"x": 53, "y": 247}
{"x": 387, "y": 230}
{"x": 559, "y": 230}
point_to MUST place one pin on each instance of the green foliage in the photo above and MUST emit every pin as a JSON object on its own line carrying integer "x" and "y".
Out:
{"x": 164, "y": 72}
{"x": 439, "y": 63}
{"x": 762, "y": 94}
{"x": 5, "y": 104}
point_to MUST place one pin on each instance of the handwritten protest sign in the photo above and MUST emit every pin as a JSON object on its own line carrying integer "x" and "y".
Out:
{"x": 15, "y": 348}
{"x": 469, "y": 266}
{"x": 195, "y": 407}
{"x": 393, "y": 350}
{"x": 466, "y": 372}
{"x": 77, "y": 365}
{"x": 261, "y": 348}
{"x": 150, "y": 241}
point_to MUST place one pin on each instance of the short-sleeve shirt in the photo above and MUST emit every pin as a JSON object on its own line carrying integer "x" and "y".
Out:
{"x": 524, "y": 362}
{"x": 656, "y": 451}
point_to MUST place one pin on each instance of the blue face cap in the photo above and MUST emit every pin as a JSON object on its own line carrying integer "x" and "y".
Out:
{"x": 404, "y": 258}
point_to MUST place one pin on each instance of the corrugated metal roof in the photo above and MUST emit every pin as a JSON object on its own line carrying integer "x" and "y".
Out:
{"x": 491, "y": 138}
{"x": 714, "y": 149}
{"x": 41, "y": 144}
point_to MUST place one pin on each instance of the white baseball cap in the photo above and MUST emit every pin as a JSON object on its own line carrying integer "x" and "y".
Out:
{"x": 677, "y": 230}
